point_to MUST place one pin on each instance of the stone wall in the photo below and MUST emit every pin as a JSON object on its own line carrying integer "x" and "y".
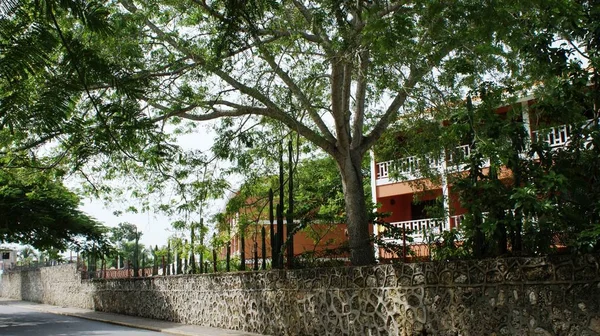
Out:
{"x": 56, "y": 285}
{"x": 516, "y": 296}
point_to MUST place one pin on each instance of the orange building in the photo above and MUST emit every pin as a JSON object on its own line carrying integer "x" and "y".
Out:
{"x": 397, "y": 196}
{"x": 314, "y": 240}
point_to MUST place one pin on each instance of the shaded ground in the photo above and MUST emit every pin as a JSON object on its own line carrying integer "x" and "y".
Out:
{"x": 19, "y": 321}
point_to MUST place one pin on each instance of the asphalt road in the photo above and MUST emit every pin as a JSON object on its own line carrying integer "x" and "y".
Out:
{"x": 17, "y": 321}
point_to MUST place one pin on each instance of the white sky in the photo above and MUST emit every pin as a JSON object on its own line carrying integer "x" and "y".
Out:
{"x": 156, "y": 228}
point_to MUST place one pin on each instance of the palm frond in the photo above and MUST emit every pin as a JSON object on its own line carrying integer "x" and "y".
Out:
{"x": 9, "y": 7}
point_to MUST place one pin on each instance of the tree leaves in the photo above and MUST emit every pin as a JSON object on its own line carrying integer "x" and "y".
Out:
{"x": 36, "y": 209}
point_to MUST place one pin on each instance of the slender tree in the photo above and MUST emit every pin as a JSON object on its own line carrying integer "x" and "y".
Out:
{"x": 290, "y": 211}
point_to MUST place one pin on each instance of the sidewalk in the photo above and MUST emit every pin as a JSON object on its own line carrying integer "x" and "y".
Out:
{"x": 128, "y": 321}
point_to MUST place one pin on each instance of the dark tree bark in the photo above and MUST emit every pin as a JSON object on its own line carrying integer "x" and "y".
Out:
{"x": 357, "y": 221}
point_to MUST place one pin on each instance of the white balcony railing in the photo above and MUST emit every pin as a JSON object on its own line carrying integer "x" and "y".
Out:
{"x": 557, "y": 136}
{"x": 455, "y": 221}
{"x": 407, "y": 168}
{"x": 416, "y": 228}
{"x": 383, "y": 169}
{"x": 419, "y": 227}
{"x": 464, "y": 151}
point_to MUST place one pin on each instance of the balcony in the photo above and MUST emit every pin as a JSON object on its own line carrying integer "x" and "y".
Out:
{"x": 408, "y": 168}
{"x": 418, "y": 228}
{"x": 557, "y": 136}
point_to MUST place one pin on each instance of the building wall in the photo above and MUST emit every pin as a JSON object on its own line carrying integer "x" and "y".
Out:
{"x": 316, "y": 237}
{"x": 8, "y": 262}
{"x": 399, "y": 207}
{"x": 516, "y": 296}
{"x": 405, "y": 187}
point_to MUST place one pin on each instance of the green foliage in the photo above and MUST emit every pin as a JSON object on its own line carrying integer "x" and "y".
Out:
{"x": 319, "y": 196}
{"x": 550, "y": 201}
{"x": 448, "y": 246}
{"x": 37, "y": 210}
{"x": 125, "y": 239}
{"x": 566, "y": 185}
{"x": 110, "y": 84}
{"x": 26, "y": 256}
{"x": 50, "y": 62}
{"x": 124, "y": 232}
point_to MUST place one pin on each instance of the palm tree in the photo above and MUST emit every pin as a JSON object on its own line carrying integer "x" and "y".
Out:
{"x": 27, "y": 255}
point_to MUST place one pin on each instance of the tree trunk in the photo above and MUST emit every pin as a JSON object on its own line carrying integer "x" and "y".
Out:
{"x": 500, "y": 216}
{"x": 136, "y": 264}
{"x": 192, "y": 257}
{"x": 501, "y": 235}
{"x": 516, "y": 241}
{"x": 361, "y": 248}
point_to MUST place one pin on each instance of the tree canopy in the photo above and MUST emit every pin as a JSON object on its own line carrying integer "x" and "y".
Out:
{"x": 337, "y": 73}
{"x": 37, "y": 210}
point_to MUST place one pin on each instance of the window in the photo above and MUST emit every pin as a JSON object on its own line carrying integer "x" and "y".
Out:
{"x": 419, "y": 210}
{"x": 5, "y": 255}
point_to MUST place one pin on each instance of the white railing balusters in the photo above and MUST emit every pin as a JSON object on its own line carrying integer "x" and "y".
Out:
{"x": 408, "y": 167}
{"x": 383, "y": 169}
{"x": 557, "y": 136}
{"x": 429, "y": 225}
{"x": 417, "y": 226}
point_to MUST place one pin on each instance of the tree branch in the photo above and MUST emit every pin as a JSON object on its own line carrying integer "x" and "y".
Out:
{"x": 295, "y": 89}
{"x": 361, "y": 89}
{"x": 220, "y": 113}
{"x": 33, "y": 144}
{"x": 392, "y": 111}
{"x": 266, "y": 112}
{"x": 275, "y": 34}
{"x": 337, "y": 103}
{"x": 347, "y": 94}
{"x": 325, "y": 43}
{"x": 274, "y": 111}
{"x": 287, "y": 33}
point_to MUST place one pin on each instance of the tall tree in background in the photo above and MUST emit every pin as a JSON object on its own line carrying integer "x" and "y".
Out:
{"x": 125, "y": 238}
{"x": 335, "y": 72}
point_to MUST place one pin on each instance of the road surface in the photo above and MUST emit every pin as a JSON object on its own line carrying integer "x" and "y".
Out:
{"x": 18, "y": 321}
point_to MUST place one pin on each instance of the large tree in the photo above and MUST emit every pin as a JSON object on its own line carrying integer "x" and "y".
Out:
{"x": 337, "y": 73}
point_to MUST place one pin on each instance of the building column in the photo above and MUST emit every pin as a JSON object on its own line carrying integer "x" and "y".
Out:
{"x": 526, "y": 120}
{"x": 374, "y": 198}
{"x": 445, "y": 190}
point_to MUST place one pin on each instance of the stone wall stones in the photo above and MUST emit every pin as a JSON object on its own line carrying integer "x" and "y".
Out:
{"x": 516, "y": 296}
